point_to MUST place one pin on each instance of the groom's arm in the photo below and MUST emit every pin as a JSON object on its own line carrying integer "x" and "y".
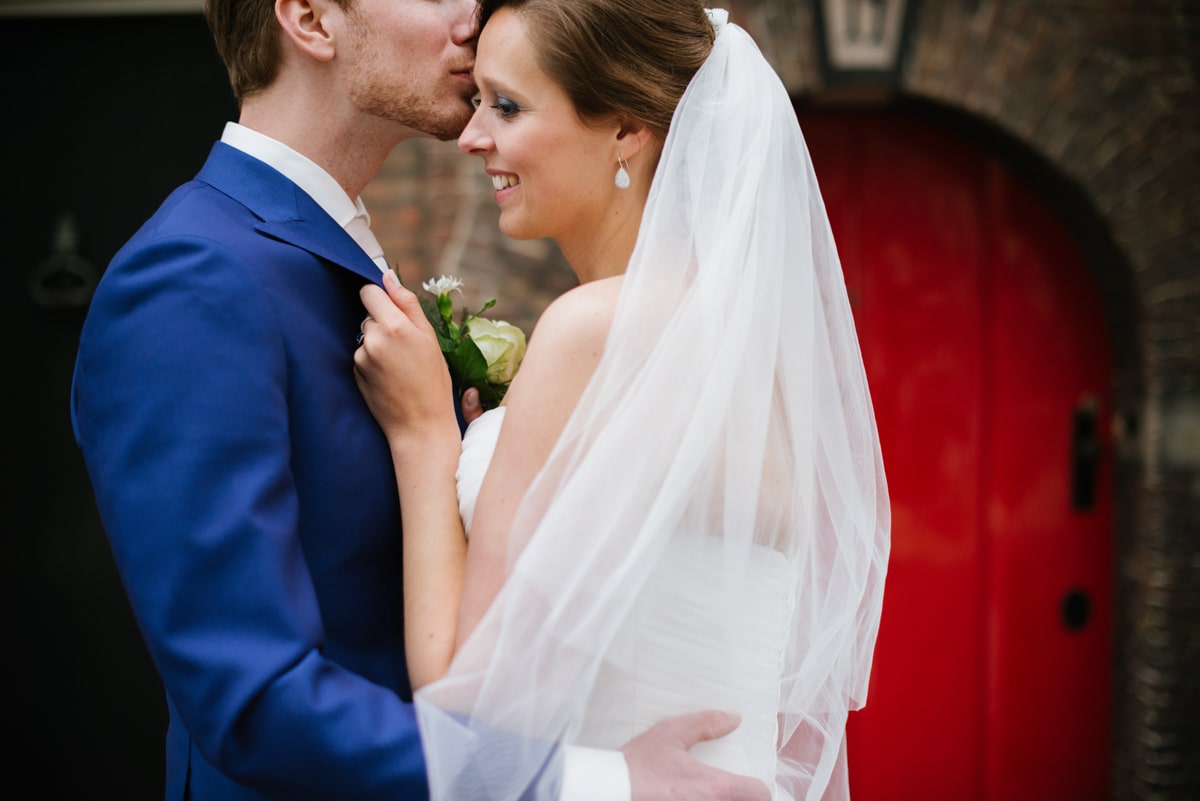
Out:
{"x": 656, "y": 766}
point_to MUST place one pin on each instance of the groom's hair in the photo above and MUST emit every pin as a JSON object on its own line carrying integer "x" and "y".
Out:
{"x": 629, "y": 59}
{"x": 247, "y": 38}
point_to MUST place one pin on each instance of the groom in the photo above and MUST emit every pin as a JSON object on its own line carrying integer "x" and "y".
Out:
{"x": 246, "y": 491}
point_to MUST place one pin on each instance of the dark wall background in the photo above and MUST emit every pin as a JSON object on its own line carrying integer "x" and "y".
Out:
{"x": 103, "y": 117}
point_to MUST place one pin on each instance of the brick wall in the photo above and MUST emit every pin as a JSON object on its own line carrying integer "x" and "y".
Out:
{"x": 434, "y": 212}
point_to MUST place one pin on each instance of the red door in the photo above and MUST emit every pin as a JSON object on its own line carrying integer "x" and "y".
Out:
{"x": 989, "y": 366}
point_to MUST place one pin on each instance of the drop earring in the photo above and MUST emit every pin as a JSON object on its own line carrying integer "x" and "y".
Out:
{"x": 622, "y": 178}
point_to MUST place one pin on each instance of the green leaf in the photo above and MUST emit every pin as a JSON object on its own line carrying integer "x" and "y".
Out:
{"x": 445, "y": 341}
{"x": 467, "y": 364}
{"x": 433, "y": 315}
{"x": 490, "y": 394}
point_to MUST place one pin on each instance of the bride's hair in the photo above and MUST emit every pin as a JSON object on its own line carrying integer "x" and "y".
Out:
{"x": 631, "y": 59}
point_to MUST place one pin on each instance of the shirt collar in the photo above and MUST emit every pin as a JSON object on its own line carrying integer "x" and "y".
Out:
{"x": 299, "y": 169}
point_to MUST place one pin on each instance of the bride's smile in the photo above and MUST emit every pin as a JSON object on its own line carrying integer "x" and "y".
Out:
{"x": 504, "y": 181}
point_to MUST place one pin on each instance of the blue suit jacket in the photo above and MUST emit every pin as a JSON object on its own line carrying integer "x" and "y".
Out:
{"x": 248, "y": 494}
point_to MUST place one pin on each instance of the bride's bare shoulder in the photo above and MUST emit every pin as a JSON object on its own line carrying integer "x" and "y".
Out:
{"x": 583, "y": 308}
{"x": 567, "y": 342}
{"x": 583, "y": 314}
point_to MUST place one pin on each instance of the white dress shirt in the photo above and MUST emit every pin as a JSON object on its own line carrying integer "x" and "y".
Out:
{"x": 589, "y": 774}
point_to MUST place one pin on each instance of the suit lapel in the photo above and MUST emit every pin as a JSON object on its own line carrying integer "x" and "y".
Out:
{"x": 285, "y": 211}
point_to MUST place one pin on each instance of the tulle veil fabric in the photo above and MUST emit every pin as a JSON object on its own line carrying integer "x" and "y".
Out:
{"x": 730, "y": 409}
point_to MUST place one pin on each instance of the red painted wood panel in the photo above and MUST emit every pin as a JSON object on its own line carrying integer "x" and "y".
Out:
{"x": 981, "y": 332}
{"x": 1048, "y": 684}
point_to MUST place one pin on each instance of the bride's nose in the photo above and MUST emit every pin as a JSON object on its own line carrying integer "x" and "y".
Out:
{"x": 473, "y": 140}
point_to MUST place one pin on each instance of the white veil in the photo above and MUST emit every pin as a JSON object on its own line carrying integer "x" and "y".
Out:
{"x": 730, "y": 410}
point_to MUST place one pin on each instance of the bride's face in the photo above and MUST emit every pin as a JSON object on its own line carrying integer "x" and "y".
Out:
{"x": 552, "y": 175}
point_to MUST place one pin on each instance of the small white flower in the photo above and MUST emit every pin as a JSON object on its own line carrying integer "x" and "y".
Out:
{"x": 444, "y": 285}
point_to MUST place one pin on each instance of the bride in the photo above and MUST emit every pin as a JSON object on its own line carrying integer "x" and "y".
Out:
{"x": 681, "y": 504}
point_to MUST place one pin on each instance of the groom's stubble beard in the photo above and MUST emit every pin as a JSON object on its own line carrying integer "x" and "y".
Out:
{"x": 399, "y": 94}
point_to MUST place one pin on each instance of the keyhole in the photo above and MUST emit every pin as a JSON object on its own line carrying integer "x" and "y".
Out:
{"x": 1076, "y": 609}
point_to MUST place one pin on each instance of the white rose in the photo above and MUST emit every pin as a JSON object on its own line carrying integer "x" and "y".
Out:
{"x": 502, "y": 345}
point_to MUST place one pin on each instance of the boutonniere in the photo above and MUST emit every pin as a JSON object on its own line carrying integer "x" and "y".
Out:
{"x": 480, "y": 353}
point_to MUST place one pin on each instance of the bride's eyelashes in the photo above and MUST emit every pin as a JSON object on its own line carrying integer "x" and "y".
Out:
{"x": 507, "y": 108}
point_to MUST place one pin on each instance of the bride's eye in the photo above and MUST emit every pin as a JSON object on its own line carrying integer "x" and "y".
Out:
{"x": 506, "y": 107}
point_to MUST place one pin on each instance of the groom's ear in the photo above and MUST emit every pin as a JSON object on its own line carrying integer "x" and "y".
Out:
{"x": 310, "y": 25}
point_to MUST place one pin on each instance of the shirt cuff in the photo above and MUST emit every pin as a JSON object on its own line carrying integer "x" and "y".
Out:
{"x": 594, "y": 774}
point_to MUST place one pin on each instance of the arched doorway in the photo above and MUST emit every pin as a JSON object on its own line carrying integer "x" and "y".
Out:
{"x": 990, "y": 368}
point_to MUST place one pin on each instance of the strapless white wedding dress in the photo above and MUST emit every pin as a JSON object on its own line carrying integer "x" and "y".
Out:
{"x": 667, "y": 661}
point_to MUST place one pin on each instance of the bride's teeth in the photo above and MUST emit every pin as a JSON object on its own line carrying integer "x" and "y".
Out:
{"x": 504, "y": 181}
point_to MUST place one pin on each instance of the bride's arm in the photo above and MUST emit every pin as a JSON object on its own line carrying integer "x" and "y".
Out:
{"x": 563, "y": 352}
{"x": 402, "y": 375}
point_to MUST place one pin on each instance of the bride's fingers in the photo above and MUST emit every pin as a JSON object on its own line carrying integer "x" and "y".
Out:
{"x": 404, "y": 299}
{"x": 376, "y": 301}
{"x": 396, "y": 344}
{"x": 471, "y": 408}
{"x": 379, "y": 305}
{"x": 393, "y": 303}
{"x": 396, "y": 290}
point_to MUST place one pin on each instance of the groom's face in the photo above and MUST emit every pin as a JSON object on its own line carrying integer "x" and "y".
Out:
{"x": 410, "y": 62}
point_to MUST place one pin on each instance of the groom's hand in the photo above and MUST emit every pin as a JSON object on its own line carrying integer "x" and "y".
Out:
{"x": 661, "y": 769}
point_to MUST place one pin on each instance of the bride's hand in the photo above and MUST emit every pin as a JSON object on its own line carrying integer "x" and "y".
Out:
{"x": 399, "y": 367}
